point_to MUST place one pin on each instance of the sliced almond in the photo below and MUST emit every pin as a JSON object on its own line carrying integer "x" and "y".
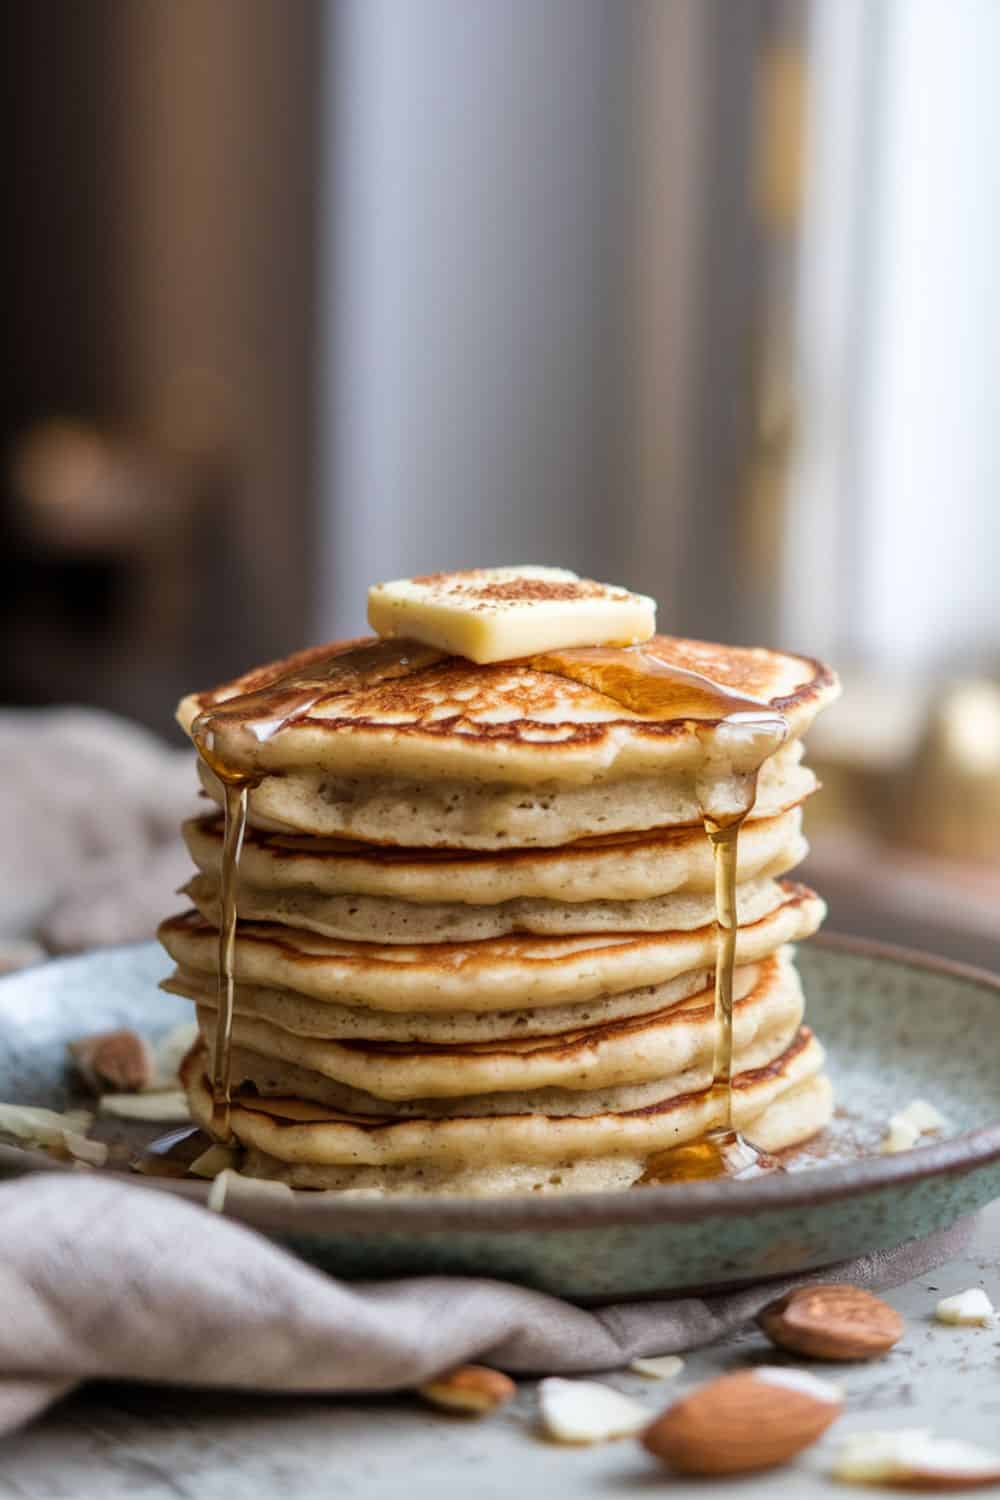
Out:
{"x": 925, "y": 1117}
{"x": 901, "y": 1135}
{"x": 907, "y": 1125}
{"x": 739, "y": 1423}
{"x": 236, "y": 1188}
{"x": 972, "y": 1308}
{"x": 584, "y": 1411}
{"x": 120, "y": 1060}
{"x": 660, "y": 1367}
{"x": 215, "y": 1160}
{"x": 832, "y": 1321}
{"x": 474, "y": 1389}
{"x": 911, "y": 1458}
{"x": 169, "y": 1107}
{"x": 65, "y": 1135}
{"x": 219, "y": 1190}
{"x": 171, "y": 1050}
{"x": 82, "y": 1149}
{"x": 42, "y": 1127}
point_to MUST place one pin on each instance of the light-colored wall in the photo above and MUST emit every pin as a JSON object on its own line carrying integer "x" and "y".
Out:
{"x": 473, "y": 398}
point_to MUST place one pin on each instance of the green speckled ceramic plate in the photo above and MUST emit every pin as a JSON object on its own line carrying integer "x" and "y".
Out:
{"x": 897, "y": 1026}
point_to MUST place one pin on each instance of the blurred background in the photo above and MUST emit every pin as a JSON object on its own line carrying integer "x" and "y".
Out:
{"x": 696, "y": 296}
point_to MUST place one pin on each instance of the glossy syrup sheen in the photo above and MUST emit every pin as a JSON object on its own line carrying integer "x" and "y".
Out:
{"x": 639, "y": 680}
{"x": 261, "y": 714}
{"x": 633, "y": 677}
{"x": 642, "y": 682}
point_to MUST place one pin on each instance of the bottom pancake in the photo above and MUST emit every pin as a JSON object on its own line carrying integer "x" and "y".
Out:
{"x": 306, "y": 1136}
{"x": 792, "y": 1118}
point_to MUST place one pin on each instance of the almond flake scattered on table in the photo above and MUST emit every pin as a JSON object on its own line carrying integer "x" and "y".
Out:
{"x": 972, "y": 1308}
{"x": 65, "y": 1133}
{"x": 585, "y": 1411}
{"x": 658, "y": 1367}
{"x": 911, "y": 1456}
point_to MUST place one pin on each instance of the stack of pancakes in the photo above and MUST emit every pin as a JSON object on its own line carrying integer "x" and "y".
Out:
{"x": 476, "y": 930}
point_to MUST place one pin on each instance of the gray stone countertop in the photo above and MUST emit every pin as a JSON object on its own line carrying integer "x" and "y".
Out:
{"x": 108, "y": 1442}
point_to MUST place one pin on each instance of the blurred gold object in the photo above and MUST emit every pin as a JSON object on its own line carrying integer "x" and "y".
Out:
{"x": 780, "y": 111}
{"x": 64, "y": 474}
{"x": 947, "y": 799}
{"x": 83, "y": 490}
{"x": 913, "y": 762}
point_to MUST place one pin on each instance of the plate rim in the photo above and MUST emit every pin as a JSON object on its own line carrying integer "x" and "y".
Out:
{"x": 961, "y": 1154}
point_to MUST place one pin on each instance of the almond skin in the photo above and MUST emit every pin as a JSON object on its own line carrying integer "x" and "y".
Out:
{"x": 835, "y": 1321}
{"x": 738, "y": 1424}
{"x": 474, "y": 1389}
{"x": 122, "y": 1061}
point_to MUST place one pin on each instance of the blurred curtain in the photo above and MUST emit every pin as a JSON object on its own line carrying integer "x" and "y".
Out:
{"x": 894, "y": 539}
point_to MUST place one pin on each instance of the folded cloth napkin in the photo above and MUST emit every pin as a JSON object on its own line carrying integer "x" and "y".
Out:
{"x": 90, "y": 806}
{"x": 102, "y": 1279}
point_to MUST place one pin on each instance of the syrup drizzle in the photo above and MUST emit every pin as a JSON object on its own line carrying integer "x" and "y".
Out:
{"x": 250, "y": 720}
{"x": 747, "y": 730}
{"x": 725, "y": 845}
{"x": 741, "y": 732}
{"x": 172, "y": 1153}
{"x": 234, "y": 828}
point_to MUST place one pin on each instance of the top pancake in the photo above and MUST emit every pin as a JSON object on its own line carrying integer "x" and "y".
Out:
{"x": 444, "y": 717}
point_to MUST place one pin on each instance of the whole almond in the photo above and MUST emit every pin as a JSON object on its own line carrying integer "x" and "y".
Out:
{"x": 739, "y": 1423}
{"x": 833, "y": 1321}
{"x": 475, "y": 1389}
{"x": 120, "y": 1060}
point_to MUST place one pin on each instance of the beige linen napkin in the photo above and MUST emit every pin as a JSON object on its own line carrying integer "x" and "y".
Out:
{"x": 91, "y": 808}
{"x": 102, "y": 1279}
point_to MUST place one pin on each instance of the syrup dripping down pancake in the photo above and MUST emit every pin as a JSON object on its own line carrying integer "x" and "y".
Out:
{"x": 445, "y": 717}
{"x": 607, "y": 1055}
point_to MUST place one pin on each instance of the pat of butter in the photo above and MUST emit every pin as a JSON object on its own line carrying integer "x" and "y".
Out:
{"x": 500, "y": 614}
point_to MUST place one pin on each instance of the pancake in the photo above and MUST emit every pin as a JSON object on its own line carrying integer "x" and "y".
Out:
{"x": 274, "y": 1078}
{"x": 600, "y": 1057}
{"x": 795, "y": 1116}
{"x": 629, "y": 867}
{"x": 510, "y": 973}
{"x": 325, "y": 1018}
{"x": 380, "y": 919}
{"x": 477, "y": 903}
{"x": 791, "y": 1118}
{"x": 495, "y": 815}
{"x": 430, "y": 716}
{"x": 300, "y": 1131}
